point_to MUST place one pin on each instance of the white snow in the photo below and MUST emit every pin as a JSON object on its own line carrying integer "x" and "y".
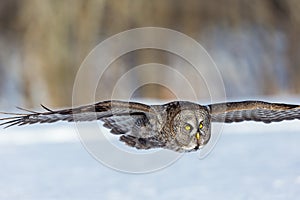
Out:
{"x": 250, "y": 161}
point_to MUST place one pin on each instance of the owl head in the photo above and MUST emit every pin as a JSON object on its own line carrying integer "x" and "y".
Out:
{"x": 191, "y": 128}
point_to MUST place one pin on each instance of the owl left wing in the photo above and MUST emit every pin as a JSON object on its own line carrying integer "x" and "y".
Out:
{"x": 253, "y": 111}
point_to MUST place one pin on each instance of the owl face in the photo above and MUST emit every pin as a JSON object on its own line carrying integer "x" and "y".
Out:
{"x": 192, "y": 129}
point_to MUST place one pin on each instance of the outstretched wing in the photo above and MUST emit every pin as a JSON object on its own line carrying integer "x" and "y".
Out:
{"x": 253, "y": 111}
{"x": 130, "y": 119}
{"x": 111, "y": 112}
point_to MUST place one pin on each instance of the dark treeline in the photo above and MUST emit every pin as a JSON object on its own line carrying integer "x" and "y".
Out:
{"x": 42, "y": 43}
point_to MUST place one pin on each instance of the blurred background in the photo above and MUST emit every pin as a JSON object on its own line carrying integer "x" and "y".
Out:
{"x": 254, "y": 44}
{"x": 42, "y": 44}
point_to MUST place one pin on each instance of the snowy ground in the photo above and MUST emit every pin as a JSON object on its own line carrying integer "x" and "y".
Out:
{"x": 250, "y": 161}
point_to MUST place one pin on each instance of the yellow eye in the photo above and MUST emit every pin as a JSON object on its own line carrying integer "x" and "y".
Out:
{"x": 187, "y": 127}
{"x": 201, "y": 125}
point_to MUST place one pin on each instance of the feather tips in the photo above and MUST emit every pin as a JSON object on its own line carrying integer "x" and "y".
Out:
{"x": 253, "y": 111}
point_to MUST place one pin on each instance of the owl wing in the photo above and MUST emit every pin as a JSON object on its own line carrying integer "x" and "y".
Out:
{"x": 99, "y": 111}
{"x": 118, "y": 116}
{"x": 253, "y": 111}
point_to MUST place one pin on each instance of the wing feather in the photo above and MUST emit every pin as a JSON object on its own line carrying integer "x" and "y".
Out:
{"x": 253, "y": 111}
{"x": 135, "y": 122}
{"x": 98, "y": 111}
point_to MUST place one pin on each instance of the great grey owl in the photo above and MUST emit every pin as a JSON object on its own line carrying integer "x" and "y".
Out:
{"x": 179, "y": 126}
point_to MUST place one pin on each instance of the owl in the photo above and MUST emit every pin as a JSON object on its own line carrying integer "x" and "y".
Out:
{"x": 179, "y": 126}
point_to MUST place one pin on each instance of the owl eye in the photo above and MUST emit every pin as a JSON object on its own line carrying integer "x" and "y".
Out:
{"x": 201, "y": 125}
{"x": 187, "y": 127}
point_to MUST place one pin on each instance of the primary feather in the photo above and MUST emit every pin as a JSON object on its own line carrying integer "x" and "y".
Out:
{"x": 253, "y": 111}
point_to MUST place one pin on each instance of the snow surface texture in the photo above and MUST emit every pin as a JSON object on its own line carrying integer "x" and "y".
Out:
{"x": 250, "y": 161}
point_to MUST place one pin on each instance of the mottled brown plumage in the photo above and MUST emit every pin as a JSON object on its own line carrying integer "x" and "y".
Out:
{"x": 179, "y": 126}
{"x": 253, "y": 111}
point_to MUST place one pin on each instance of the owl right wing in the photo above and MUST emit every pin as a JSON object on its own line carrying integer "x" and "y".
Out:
{"x": 99, "y": 111}
{"x": 119, "y": 116}
{"x": 253, "y": 111}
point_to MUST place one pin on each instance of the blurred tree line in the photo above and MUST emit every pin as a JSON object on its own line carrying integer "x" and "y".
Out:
{"x": 43, "y": 42}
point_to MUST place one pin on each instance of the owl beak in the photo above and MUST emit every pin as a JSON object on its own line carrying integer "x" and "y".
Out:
{"x": 198, "y": 141}
{"x": 198, "y": 137}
